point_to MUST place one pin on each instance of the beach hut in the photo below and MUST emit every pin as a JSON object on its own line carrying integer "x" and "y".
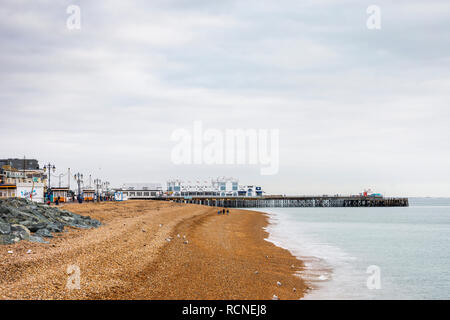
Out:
{"x": 62, "y": 193}
{"x": 7, "y": 190}
{"x": 88, "y": 194}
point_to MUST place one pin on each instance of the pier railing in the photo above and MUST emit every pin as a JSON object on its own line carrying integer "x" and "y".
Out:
{"x": 292, "y": 201}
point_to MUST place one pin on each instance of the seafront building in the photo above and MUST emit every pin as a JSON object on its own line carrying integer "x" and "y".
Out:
{"x": 20, "y": 164}
{"x": 219, "y": 187}
{"x": 22, "y": 178}
{"x": 141, "y": 190}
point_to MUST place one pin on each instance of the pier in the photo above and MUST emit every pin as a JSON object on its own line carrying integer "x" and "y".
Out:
{"x": 292, "y": 201}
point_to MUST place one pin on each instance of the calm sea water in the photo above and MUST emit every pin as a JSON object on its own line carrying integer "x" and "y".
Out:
{"x": 410, "y": 246}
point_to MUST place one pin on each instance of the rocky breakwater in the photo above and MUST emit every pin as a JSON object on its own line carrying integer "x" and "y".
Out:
{"x": 21, "y": 219}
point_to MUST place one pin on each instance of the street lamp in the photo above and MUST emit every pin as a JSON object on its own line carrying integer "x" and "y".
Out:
{"x": 49, "y": 167}
{"x": 79, "y": 179}
{"x": 97, "y": 183}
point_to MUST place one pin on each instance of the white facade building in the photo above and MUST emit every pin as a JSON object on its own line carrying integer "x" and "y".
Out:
{"x": 220, "y": 187}
{"x": 30, "y": 191}
{"x": 141, "y": 190}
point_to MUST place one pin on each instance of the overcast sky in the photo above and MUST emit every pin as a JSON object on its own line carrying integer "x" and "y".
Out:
{"x": 355, "y": 108}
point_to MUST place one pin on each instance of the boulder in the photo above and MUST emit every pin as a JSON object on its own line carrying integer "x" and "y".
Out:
{"x": 19, "y": 217}
{"x": 5, "y": 228}
{"x": 55, "y": 227}
{"x": 36, "y": 226}
{"x": 8, "y": 238}
{"x": 37, "y": 239}
{"x": 44, "y": 233}
{"x": 21, "y": 231}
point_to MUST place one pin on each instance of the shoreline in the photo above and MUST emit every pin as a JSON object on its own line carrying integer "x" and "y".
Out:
{"x": 132, "y": 257}
{"x": 317, "y": 272}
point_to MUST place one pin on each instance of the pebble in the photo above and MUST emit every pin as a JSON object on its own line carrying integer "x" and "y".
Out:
{"x": 10, "y": 251}
{"x": 256, "y": 272}
{"x": 168, "y": 240}
{"x": 295, "y": 290}
{"x": 185, "y": 242}
{"x": 275, "y": 297}
{"x": 29, "y": 251}
{"x": 279, "y": 283}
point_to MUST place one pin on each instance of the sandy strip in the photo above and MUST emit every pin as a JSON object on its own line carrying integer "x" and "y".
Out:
{"x": 129, "y": 257}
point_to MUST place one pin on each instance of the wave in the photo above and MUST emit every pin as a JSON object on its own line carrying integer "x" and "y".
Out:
{"x": 329, "y": 270}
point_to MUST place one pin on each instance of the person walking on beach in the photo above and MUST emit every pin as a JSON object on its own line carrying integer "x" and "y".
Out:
{"x": 218, "y": 211}
{"x": 228, "y": 212}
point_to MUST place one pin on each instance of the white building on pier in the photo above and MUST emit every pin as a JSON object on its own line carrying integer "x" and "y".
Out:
{"x": 220, "y": 187}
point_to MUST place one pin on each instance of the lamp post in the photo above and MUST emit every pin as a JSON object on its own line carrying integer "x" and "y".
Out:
{"x": 79, "y": 179}
{"x": 97, "y": 183}
{"x": 49, "y": 167}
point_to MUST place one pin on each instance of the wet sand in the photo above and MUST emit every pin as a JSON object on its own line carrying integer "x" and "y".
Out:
{"x": 130, "y": 256}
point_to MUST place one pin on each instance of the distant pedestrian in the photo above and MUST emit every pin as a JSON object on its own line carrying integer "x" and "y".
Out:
{"x": 223, "y": 211}
{"x": 218, "y": 211}
{"x": 228, "y": 212}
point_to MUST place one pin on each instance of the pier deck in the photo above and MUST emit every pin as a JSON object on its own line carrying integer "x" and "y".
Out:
{"x": 294, "y": 201}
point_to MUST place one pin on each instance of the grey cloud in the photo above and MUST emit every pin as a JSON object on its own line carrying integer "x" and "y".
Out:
{"x": 353, "y": 106}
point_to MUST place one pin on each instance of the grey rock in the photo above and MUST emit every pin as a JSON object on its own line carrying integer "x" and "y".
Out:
{"x": 19, "y": 217}
{"x": 5, "y": 228}
{"x": 55, "y": 227}
{"x": 44, "y": 233}
{"x": 4, "y": 210}
{"x": 37, "y": 239}
{"x": 8, "y": 238}
{"x": 20, "y": 231}
{"x": 36, "y": 226}
{"x": 68, "y": 219}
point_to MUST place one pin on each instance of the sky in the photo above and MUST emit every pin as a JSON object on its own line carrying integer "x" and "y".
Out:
{"x": 354, "y": 107}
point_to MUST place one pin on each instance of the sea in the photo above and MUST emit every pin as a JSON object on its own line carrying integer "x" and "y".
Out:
{"x": 369, "y": 253}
